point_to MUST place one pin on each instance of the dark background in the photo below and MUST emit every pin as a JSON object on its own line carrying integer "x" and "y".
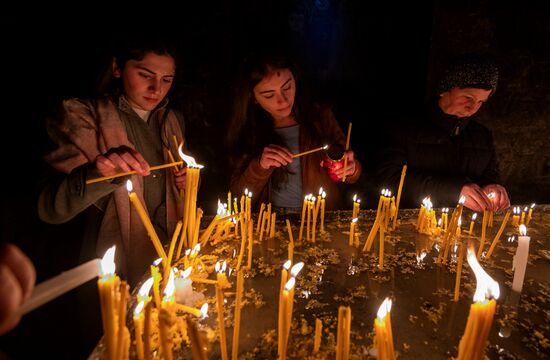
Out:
{"x": 374, "y": 63}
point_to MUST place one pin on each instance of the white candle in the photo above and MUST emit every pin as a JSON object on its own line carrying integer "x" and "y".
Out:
{"x": 520, "y": 259}
{"x": 60, "y": 284}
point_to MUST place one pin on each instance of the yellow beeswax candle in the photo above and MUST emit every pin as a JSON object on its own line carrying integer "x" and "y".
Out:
{"x": 318, "y": 332}
{"x": 499, "y": 233}
{"x": 529, "y": 214}
{"x": 471, "y": 231}
{"x": 480, "y": 319}
{"x": 323, "y": 196}
{"x": 400, "y": 189}
{"x": 383, "y": 332}
{"x": 304, "y": 209}
{"x": 237, "y": 321}
{"x": 107, "y": 286}
{"x": 352, "y": 231}
{"x": 146, "y": 223}
{"x": 220, "y": 275}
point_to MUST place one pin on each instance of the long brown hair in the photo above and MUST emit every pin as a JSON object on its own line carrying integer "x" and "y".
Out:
{"x": 251, "y": 127}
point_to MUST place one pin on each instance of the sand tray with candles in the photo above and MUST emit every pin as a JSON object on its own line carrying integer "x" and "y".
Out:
{"x": 426, "y": 321}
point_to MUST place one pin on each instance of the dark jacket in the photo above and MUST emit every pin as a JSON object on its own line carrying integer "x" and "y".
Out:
{"x": 442, "y": 153}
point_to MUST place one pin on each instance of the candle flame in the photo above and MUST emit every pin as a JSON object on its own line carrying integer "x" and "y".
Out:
{"x": 204, "y": 310}
{"x": 250, "y": 194}
{"x": 526, "y": 208}
{"x": 287, "y": 264}
{"x": 474, "y": 216}
{"x": 384, "y": 309}
{"x": 185, "y": 274}
{"x": 146, "y": 287}
{"x": 196, "y": 249}
{"x": 462, "y": 200}
{"x": 108, "y": 262}
{"x": 486, "y": 287}
{"x": 459, "y": 221}
{"x": 324, "y": 195}
{"x": 325, "y": 147}
{"x": 157, "y": 261}
{"x": 354, "y": 197}
{"x": 354, "y": 220}
{"x": 522, "y": 230}
{"x": 532, "y": 205}
{"x": 221, "y": 208}
{"x": 321, "y": 191}
{"x": 138, "y": 308}
{"x": 190, "y": 161}
{"x": 129, "y": 185}
{"x": 245, "y": 191}
{"x": 224, "y": 266}
{"x": 439, "y": 222}
{"x": 296, "y": 269}
{"x": 170, "y": 287}
{"x": 290, "y": 284}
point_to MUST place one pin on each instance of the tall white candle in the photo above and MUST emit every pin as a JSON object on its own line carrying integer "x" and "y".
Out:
{"x": 520, "y": 259}
{"x": 58, "y": 285}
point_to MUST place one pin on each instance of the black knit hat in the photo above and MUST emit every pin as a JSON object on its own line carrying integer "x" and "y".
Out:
{"x": 469, "y": 71}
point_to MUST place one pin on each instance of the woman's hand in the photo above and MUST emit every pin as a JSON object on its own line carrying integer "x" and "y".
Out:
{"x": 476, "y": 198}
{"x": 498, "y": 195}
{"x": 121, "y": 159}
{"x": 351, "y": 166}
{"x": 275, "y": 156}
{"x": 180, "y": 176}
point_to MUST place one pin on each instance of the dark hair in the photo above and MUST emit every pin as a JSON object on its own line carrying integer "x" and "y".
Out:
{"x": 133, "y": 46}
{"x": 251, "y": 127}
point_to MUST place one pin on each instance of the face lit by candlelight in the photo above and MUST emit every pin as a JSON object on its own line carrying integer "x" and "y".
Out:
{"x": 463, "y": 102}
{"x": 276, "y": 93}
{"x": 147, "y": 81}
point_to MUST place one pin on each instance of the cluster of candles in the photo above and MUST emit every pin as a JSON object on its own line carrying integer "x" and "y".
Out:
{"x": 311, "y": 208}
{"x": 177, "y": 285}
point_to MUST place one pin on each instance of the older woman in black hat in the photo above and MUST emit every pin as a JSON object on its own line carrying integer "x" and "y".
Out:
{"x": 449, "y": 154}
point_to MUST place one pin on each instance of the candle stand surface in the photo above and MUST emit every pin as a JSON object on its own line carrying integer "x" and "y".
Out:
{"x": 426, "y": 322}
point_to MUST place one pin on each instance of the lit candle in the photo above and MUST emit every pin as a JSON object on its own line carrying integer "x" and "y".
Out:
{"x": 260, "y": 217}
{"x": 304, "y": 208}
{"x": 138, "y": 326}
{"x": 401, "y": 181}
{"x": 318, "y": 332}
{"x": 471, "y": 231}
{"x": 520, "y": 259}
{"x": 346, "y": 149}
{"x": 499, "y": 233}
{"x": 237, "y": 321}
{"x": 473, "y": 342}
{"x": 146, "y": 223}
{"x": 530, "y": 214}
{"x": 352, "y": 231}
{"x": 515, "y": 218}
{"x": 285, "y": 314}
{"x": 355, "y": 210}
{"x": 165, "y": 318}
{"x": 281, "y": 314}
{"x": 222, "y": 279}
{"x": 522, "y": 218}
{"x": 383, "y": 332}
{"x": 156, "y": 282}
{"x": 323, "y": 196}
{"x": 107, "y": 286}
{"x": 190, "y": 201}
{"x": 58, "y": 285}
{"x": 458, "y": 225}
